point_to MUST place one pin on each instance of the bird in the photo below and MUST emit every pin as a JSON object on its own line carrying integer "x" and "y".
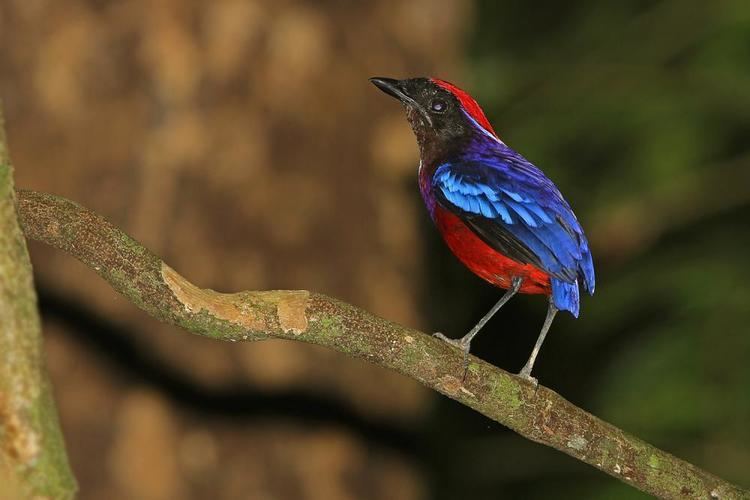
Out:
{"x": 500, "y": 215}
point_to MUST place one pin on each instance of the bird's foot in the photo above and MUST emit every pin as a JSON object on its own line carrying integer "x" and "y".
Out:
{"x": 463, "y": 344}
{"x": 525, "y": 374}
{"x": 460, "y": 344}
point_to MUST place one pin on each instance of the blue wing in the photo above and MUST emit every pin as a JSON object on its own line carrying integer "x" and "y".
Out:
{"x": 518, "y": 211}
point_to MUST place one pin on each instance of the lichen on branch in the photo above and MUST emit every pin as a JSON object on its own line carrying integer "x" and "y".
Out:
{"x": 536, "y": 413}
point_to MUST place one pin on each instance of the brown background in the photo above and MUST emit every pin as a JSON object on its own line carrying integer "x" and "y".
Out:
{"x": 241, "y": 142}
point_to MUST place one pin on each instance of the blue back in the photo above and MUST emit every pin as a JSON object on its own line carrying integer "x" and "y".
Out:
{"x": 518, "y": 211}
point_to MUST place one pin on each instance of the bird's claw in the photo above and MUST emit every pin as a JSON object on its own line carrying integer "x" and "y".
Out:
{"x": 457, "y": 343}
{"x": 442, "y": 337}
{"x": 460, "y": 344}
{"x": 525, "y": 374}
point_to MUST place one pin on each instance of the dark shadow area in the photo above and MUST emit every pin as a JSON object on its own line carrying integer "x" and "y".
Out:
{"x": 113, "y": 343}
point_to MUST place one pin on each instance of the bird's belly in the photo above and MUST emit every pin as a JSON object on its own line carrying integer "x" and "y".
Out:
{"x": 484, "y": 261}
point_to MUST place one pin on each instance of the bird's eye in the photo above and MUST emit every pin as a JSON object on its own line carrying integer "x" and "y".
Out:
{"x": 438, "y": 105}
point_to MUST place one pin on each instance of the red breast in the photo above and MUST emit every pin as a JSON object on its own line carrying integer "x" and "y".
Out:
{"x": 484, "y": 261}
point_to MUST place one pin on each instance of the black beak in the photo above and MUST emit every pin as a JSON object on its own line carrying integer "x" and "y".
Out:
{"x": 392, "y": 87}
{"x": 396, "y": 88}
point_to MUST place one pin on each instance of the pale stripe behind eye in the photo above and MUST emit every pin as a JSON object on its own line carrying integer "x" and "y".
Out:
{"x": 481, "y": 128}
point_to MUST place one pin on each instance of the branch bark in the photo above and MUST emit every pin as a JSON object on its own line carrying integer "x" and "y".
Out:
{"x": 33, "y": 462}
{"x": 538, "y": 414}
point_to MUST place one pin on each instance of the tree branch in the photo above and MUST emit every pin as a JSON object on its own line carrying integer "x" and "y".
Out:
{"x": 538, "y": 414}
{"x": 33, "y": 462}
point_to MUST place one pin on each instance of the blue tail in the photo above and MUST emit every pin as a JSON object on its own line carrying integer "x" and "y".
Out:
{"x": 565, "y": 296}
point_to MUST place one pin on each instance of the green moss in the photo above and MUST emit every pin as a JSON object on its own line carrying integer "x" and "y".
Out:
{"x": 55, "y": 481}
{"x": 412, "y": 353}
{"x": 118, "y": 278}
{"x": 4, "y": 176}
{"x": 506, "y": 392}
{"x": 205, "y": 324}
{"x": 329, "y": 326}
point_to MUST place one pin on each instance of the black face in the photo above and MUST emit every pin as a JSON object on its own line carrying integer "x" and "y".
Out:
{"x": 434, "y": 113}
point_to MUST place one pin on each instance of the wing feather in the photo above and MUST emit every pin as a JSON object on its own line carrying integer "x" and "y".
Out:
{"x": 518, "y": 211}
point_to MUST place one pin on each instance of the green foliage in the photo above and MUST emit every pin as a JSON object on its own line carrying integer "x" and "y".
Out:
{"x": 639, "y": 110}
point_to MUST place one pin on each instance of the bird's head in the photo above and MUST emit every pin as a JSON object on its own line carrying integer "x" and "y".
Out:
{"x": 441, "y": 114}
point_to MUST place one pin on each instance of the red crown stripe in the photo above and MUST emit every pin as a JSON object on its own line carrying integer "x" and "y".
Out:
{"x": 468, "y": 103}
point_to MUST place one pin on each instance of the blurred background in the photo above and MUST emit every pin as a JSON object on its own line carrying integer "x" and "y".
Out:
{"x": 241, "y": 141}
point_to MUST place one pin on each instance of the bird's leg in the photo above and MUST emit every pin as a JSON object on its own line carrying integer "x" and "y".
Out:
{"x": 464, "y": 343}
{"x": 526, "y": 370}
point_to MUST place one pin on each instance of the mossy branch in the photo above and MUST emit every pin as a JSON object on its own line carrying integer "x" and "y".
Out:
{"x": 536, "y": 413}
{"x": 33, "y": 463}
